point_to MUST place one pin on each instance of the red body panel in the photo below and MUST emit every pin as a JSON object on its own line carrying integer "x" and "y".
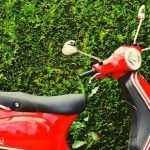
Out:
{"x": 34, "y": 131}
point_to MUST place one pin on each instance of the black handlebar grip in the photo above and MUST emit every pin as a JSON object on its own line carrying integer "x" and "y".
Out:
{"x": 88, "y": 73}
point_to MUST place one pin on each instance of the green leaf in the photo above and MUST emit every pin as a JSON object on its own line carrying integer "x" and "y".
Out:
{"x": 78, "y": 144}
{"x": 95, "y": 136}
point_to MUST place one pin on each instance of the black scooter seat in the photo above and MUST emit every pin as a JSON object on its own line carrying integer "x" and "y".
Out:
{"x": 63, "y": 104}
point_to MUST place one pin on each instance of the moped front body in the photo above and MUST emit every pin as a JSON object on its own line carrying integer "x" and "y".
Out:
{"x": 136, "y": 91}
{"x": 122, "y": 65}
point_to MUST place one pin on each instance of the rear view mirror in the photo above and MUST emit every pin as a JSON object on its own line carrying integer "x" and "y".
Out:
{"x": 70, "y": 48}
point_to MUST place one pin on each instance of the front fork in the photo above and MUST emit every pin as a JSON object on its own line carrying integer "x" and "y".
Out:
{"x": 137, "y": 94}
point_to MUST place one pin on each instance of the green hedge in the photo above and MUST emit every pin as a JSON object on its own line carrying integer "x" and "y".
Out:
{"x": 32, "y": 33}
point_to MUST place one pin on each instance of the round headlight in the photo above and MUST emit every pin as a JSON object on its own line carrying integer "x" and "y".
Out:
{"x": 133, "y": 58}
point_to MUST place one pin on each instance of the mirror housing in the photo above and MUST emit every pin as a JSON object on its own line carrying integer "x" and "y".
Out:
{"x": 69, "y": 48}
{"x": 141, "y": 14}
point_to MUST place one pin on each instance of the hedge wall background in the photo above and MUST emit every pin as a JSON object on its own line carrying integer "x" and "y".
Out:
{"x": 32, "y": 33}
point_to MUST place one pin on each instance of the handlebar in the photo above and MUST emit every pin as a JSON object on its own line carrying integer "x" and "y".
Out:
{"x": 88, "y": 73}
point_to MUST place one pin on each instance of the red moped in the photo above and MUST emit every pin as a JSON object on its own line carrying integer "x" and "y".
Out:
{"x": 29, "y": 122}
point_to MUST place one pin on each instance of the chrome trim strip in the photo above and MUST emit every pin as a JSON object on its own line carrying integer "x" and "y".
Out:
{"x": 9, "y": 148}
{"x": 140, "y": 89}
{"x": 147, "y": 144}
{"x": 4, "y": 107}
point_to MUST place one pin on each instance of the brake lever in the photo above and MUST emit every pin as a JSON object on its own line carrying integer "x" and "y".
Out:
{"x": 90, "y": 81}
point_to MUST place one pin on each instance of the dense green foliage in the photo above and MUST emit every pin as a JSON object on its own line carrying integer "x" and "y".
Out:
{"x": 32, "y": 33}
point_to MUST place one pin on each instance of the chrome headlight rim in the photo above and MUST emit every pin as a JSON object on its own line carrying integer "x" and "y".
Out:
{"x": 133, "y": 58}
